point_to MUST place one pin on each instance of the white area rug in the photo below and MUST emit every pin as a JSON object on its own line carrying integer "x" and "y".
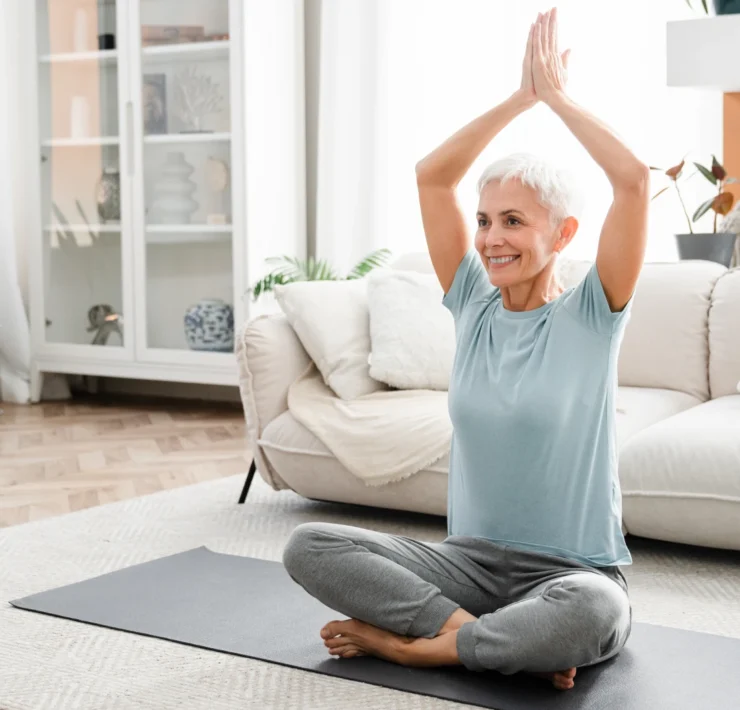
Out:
{"x": 50, "y": 664}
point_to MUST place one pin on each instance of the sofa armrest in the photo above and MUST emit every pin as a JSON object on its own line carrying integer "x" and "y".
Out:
{"x": 270, "y": 357}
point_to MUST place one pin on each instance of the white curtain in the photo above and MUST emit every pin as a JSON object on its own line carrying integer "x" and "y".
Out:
{"x": 15, "y": 351}
{"x": 398, "y": 78}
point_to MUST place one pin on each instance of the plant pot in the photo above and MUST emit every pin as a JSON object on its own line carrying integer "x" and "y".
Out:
{"x": 727, "y": 7}
{"x": 708, "y": 246}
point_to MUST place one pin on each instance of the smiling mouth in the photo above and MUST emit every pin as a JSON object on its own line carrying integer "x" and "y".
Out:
{"x": 502, "y": 261}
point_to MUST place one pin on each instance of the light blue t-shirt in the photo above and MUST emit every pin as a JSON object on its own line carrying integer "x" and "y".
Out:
{"x": 532, "y": 400}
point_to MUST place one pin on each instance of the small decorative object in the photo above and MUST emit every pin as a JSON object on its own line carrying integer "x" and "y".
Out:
{"x": 170, "y": 34}
{"x": 173, "y": 203}
{"x": 154, "y": 103}
{"x": 216, "y": 37}
{"x": 79, "y": 40}
{"x": 197, "y": 96}
{"x": 107, "y": 41}
{"x": 104, "y": 321}
{"x": 79, "y": 117}
{"x": 291, "y": 269}
{"x": 108, "y": 195}
{"x": 209, "y": 325}
{"x": 217, "y": 180}
{"x": 712, "y": 246}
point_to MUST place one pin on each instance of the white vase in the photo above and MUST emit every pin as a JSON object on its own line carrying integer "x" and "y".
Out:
{"x": 79, "y": 40}
{"x": 79, "y": 119}
{"x": 172, "y": 203}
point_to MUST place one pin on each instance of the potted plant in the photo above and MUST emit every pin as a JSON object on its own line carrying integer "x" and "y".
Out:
{"x": 721, "y": 7}
{"x": 710, "y": 246}
{"x": 291, "y": 269}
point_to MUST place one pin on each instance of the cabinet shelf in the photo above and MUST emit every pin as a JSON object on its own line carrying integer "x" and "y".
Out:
{"x": 187, "y": 51}
{"x": 100, "y": 228}
{"x": 188, "y": 233}
{"x": 103, "y": 56}
{"x": 188, "y": 137}
{"x": 80, "y": 142}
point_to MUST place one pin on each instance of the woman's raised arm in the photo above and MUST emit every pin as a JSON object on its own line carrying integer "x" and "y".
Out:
{"x": 623, "y": 237}
{"x": 438, "y": 174}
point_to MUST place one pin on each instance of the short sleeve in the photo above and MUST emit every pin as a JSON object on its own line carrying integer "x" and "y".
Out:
{"x": 589, "y": 305}
{"x": 470, "y": 284}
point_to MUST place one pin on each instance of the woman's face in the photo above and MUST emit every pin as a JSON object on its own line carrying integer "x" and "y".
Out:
{"x": 512, "y": 223}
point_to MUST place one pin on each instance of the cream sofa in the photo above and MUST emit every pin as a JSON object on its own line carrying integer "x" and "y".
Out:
{"x": 678, "y": 418}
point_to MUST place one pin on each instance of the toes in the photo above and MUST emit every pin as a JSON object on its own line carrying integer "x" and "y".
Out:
{"x": 345, "y": 651}
{"x": 333, "y": 628}
{"x": 335, "y": 642}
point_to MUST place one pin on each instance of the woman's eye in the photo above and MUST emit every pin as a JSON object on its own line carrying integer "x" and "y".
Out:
{"x": 481, "y": 222}
{"x": 509, "y": 221}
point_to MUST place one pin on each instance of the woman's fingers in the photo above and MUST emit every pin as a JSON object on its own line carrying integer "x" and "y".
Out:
{"x": 546, "y": 33}
{"x": 553, "y": 31}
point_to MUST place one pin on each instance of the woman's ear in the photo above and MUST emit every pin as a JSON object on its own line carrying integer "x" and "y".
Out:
{"x": 568, "y": 229}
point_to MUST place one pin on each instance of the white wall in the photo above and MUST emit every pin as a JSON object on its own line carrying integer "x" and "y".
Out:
{"x": 447, "y": 62}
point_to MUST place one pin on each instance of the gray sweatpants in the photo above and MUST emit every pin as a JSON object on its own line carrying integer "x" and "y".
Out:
{"x": 536, "y": 612}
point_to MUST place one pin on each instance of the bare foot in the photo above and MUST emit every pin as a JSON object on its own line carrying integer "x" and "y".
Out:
{"x": 353, "y": 637}
{"x": 562, "y": 680}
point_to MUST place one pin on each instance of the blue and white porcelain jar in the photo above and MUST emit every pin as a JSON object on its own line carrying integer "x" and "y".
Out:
{"x": 209, "y": 325}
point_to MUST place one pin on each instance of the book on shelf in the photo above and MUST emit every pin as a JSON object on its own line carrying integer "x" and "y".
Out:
{"x": 171, "y": 34}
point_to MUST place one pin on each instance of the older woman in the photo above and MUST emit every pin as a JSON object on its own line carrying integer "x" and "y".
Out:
{"x": 528, "y": 578}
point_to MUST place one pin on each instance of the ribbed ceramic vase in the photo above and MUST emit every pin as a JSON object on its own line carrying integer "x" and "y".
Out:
{"x": 172, "y": 203}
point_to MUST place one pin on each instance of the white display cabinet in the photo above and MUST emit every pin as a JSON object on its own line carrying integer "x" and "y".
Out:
{"x": 158, "y": 192}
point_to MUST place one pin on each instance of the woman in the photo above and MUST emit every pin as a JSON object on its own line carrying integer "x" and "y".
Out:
{"x": 528, "y": 578}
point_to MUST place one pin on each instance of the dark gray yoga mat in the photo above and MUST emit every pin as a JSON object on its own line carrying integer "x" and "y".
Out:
{"x": 251, "y": 607}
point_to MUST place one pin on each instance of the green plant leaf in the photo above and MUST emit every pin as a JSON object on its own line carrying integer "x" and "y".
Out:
{"x": 660, "y": 192}
{"x": 706, "y": 173}
{"x": 702, "y": 209}
{"x": 704, "y": 5}
{"x": 376, "y": 258}
{"x": 266, "y": 284}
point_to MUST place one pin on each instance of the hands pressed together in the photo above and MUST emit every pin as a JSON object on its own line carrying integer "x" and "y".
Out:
{"x": 544, "y": 69}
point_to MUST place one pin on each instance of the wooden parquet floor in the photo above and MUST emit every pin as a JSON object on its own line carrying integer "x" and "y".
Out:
{"x": 58, "y": 457}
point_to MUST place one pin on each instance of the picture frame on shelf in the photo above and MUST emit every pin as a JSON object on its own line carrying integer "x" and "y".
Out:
{"x": 154, "y": 103}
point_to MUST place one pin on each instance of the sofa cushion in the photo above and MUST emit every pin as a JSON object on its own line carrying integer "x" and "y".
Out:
{"x": 412, "y": 334}
{"x": 680, "y": 478}
{"x": 724, "y": 335}
{"x": 665, "y": 342}
{"x": 640, "y": 407}
{"x": 331, "y": 319}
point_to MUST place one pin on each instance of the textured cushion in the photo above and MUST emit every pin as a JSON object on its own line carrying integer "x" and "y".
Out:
{"x": 331, "y": 319}
{"x": 311, "y": 470}
{"x": 680, "y": 477}
{"x": 665, "y": 342}
{"x": 724, "y": 335}
{"x": 412, "y": 334}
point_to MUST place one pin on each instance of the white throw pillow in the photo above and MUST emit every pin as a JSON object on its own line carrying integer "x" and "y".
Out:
{"x": 331, "y": 320}
{"x": 412, "y": 334}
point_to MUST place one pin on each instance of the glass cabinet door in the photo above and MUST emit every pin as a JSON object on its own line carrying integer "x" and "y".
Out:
{"x": 185, "y": 241}
{"x": 83, "y": 201}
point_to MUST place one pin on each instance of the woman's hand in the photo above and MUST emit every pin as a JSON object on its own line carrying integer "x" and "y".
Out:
{"x": 549, "y": 67}
{"x": 526, "y": 91}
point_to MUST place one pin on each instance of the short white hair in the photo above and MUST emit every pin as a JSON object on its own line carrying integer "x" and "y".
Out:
{"x": 556, "y": 187}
